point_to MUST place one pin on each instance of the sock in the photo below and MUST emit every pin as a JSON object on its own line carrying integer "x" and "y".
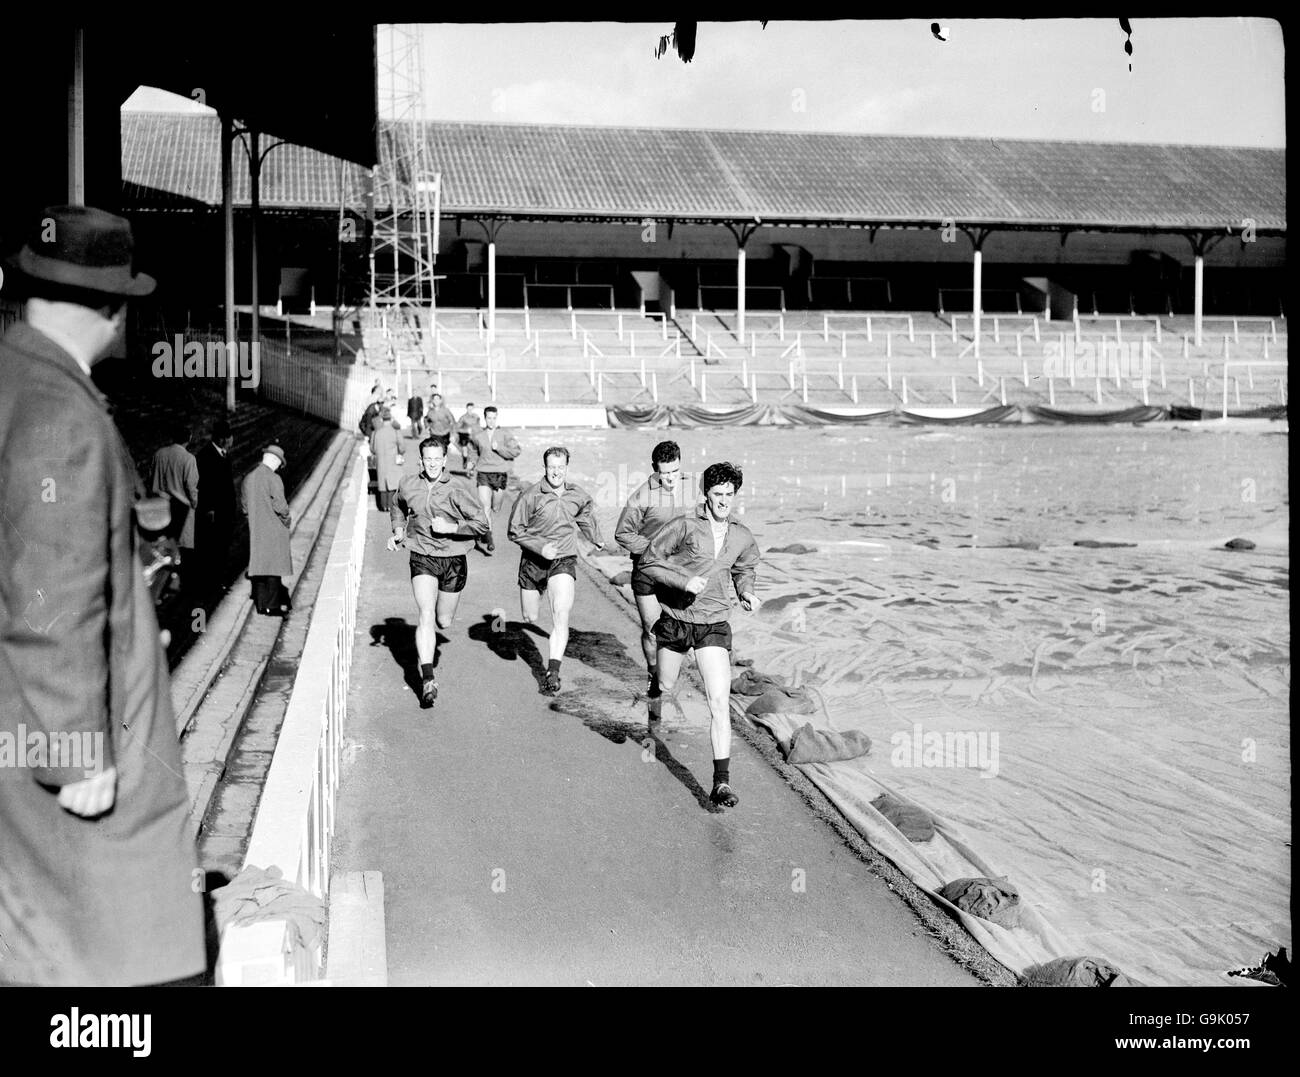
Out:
{"x": 426, "y": 670}
{"x": 553, "y": 666}
{"x": 722, "y": 770}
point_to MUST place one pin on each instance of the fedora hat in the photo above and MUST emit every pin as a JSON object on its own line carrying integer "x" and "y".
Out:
{"x": 82, "y": 247}
{"x": 275, "y": 450}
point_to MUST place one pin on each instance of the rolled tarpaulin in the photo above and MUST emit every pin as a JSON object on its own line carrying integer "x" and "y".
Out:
{"x": 637, "y": 415}
{"x": 1003, "y": 413}
{"x": 748, "y": 415}
{"x": 1140, "y": 413}
{"x": 803, "y": 415}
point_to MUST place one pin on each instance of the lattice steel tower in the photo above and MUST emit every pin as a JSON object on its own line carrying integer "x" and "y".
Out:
{"x": 404, "y": 246}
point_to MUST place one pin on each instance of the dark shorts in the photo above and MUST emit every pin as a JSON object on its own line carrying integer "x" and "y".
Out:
{"x": 681, "y": 636}
{"x": 534, "y": 571}
{"x": 494, "y": 480}
{"x": 450, "y": 572}
{"x": 462, "y": 439}
{"x": 642, "y": 584}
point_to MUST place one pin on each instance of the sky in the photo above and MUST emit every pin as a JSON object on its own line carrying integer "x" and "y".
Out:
{"x": 1199, "y": 81}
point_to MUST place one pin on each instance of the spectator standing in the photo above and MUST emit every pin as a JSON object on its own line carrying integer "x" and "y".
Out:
{"x": 97, "y": 863}
{"x": 215, "y": 529}
{"x": 269, "y": 554}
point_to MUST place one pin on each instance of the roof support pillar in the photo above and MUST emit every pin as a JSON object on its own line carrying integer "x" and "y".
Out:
{"x": 977, "y": 237}
{"x": 254, "y": 181}
{"x": 228, "y": 230}
{"x": 491, "y": 228}
{"x": 77, "y": 121}
{"x": 1201, "y": 243}
{"x": 742, "y": 237}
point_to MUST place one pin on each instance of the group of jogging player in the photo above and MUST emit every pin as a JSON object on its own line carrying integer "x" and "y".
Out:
{"x": 690, "y": 561}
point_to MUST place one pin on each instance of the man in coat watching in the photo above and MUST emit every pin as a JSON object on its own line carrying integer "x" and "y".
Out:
{"x": 97, "y": 858}
{"x": 174, "y": 474}
{"x": 269, "y": 556}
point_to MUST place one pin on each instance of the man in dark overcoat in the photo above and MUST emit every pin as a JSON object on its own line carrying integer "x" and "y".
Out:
{"x": 269, "y": 555}
{"x": 99, "y": 881}
{"x": 215, "y": 527}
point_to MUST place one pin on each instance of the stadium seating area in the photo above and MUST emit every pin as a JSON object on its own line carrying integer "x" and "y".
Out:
{"x": 831, "y": 358}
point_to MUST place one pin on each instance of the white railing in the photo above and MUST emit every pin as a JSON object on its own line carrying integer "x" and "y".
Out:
{"x": 338, "y": 395}
{"x": 294, "y": 827}
{"x": 1249, "y": 368}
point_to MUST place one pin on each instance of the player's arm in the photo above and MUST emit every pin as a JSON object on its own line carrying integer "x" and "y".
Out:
{"x": 744, "y": 574}
{"x": 657, "y": 561}
{"x": 627, "y": 532}
{"x": 398, "y": 510}
{"x": 587, "y": 525}
{"x": 521, "y": 522}
{"x": 473, "y": 520}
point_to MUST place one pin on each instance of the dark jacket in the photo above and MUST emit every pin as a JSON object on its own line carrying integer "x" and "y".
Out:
{"x": 543, "y": 514}
{"x": 647, "y": 510}
{"x": 440, "y": 420}
{"x": 262, "y": 499}
{"x": 109, "y": 901}
{"x": 418, "y": 500}
{"x": 683, "y": 548}
{"x": 495, "y": 448}
{"x": 174, "y": 474}
{"x": 414, "y": 410}
{"x": 216, "y": 519}
{"x": 366, "y": 423}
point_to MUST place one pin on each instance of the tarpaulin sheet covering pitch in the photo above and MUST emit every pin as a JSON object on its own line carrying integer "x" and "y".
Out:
{"x": 697, "y": 415}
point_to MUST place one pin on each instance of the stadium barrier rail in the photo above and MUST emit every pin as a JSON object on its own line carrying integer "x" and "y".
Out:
{"x": 294, "y": 827}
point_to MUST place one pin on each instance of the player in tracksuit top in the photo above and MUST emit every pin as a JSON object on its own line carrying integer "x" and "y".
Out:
{"x": 437, "y": 517}
{"x": 700, "y": 560}
{"x": 550, "y": 520}
{"x": 652, "y": 504}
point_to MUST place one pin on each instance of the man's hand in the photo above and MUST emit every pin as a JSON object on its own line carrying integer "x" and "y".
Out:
{"x": 92, "y": 796}
{"x": 551, "y": 551}
{"x": 750, "y": 601}
{"x": 696, "y": 584}
{"x": 439, "y": 526}
{"x": 396, "y": 540}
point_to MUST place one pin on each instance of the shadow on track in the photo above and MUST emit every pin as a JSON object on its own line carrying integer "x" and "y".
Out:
{"x": 399, "y": 637}
{"x": 511, "y": 641}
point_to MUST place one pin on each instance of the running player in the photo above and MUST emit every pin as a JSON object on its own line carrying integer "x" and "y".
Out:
{"x": 698, "y": 559}
{"x": 549, "y": 521}
{"x": 652, "y": 504}
{"x": 494, "y": 448}
{"x": 441, "y": 517}
{"x": 468, "y": 424}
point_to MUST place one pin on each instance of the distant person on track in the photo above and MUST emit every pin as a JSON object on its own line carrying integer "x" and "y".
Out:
{"x": 699, "y": 560}
{"x": 215, "y": 528}
{"x": 469, "y": 424}
{"x": 494, "y": 448}
{"x": 386, "y": 448}
{"x": 269, "y": 554}
{"x": 652, "y": 504}
{"x": 439, "y": 421}
{"x": 437, "y": 516}
{"x": 174, "y": 474}
{"x": 415, "y": 412}
{"x": 549, "y": 521}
